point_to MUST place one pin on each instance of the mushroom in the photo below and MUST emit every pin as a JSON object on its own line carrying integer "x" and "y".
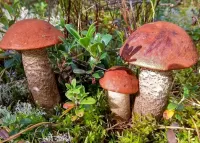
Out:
{"x": 120, "y": 82}
{"x": 31, "y": 37}
{"x": 158, "y": 47}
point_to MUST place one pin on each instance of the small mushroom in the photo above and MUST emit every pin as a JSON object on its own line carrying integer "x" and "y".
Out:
{"x": 120, "y": 82}
{"x": 158, "y": 47}
{"x": 31, "y": 37}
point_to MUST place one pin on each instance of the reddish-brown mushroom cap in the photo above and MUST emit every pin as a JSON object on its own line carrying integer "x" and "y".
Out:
{"x": 119, "y": 79}
{"x": 160, "y": 46}
{"x": 30, "y": 34}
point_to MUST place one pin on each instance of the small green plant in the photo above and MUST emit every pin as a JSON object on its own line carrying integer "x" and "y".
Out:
{"x": 143, "y": 130}
{"x": 83, "y": 55}
{"x": 77, "y": 94}
{"x": 22, "y": 116}
{"x": 79, "y": 98}
{"x": 94, "y": 44}
{"x": 85, "y": 122}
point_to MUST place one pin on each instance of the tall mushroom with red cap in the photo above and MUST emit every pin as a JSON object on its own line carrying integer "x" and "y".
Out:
{"x": 31, "y": 37}
{"x": 158, "y": 48}
{"x": 120, "y": 82}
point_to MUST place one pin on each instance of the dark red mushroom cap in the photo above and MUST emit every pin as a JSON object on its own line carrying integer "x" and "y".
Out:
{"x": 30, "y": 34}
{"x": 160, "y": 46}
{"x": 119, "y": 79}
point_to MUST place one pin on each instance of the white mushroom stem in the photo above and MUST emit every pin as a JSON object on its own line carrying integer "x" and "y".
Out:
{"x": 154, "y": 87}
{"x": 120, "y": 105}
{"x": 41, "y": 79}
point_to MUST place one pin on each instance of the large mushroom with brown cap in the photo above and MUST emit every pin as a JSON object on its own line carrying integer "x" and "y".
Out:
{"x": 158, "y": 48}
{"x": 120, "y": 82}
{"x": 32, "y": 37}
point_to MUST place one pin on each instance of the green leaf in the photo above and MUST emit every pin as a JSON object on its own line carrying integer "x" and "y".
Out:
{"x": 92, "y": 60}
{"x": 98, "y": 74}
{"x": 72, "y": 31}
{"x": 9, "y": 63}
{"x": 103, "y": 56}
{"x": 84, "y": 32}
{"x": 186, "y": 92}
{"x": 76, "y": 91}
{"x": 178, "y": 117}
{"x": 84, "y": 42}
{"x": 79, "y": 112}
{"x": 82, "y": 89}
{"x": 95, "y": 49}
{"x": 91, "y": 31}
{"x": 63, "y": 53}
{"x": 88, "y": 100}
{"x": 4, "y": 21}
{"x": 14, "y": 131}
{"x": 8, "y": 8}
{"x": 3, "y": 56}
{"x": 69, "y": 95}
{"x": 79, "y": 71}
{"x": 25, "y": 121}
{"x": 172, "y": 106}
{"x": 62, "y": 22}
{"x": 180, "y": 107}
{"x": 106, "y": 38}
{"x": 68, "y": 86}
{"x": 196, "y": 37}
{"x": 11, "y": 22}
{"x": 73, "y": 83}
{"x": 120, "y": 35}
{"x": 97, "y": 37}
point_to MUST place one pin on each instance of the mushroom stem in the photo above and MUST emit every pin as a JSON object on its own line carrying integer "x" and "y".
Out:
{"x": 120, "y": 105}
{"x": 41, "y": 79}
{"x": 154, "y": 87}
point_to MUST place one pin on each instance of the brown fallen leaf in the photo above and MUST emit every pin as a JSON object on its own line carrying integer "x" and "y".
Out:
{"x": 168, "y": 114}
{"x": 4, "y": 134}
{"x": 171, "y": 136}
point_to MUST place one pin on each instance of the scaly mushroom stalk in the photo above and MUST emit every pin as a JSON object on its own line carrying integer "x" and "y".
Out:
{"x": 31, "y": 37}
{"x": 119, "y": 104}
{"x": 40, "y": 77}
{"x": 154, "y": 90}
{"x": 161, "y": 47}
{"x": 120, "y": 82}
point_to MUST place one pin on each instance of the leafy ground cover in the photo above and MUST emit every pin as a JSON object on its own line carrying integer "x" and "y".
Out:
{"x": 95, "y": 31}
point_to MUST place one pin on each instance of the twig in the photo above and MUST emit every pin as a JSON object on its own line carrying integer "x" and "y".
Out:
{"x": 65, "y": 112}
{"x": 112, "y": 127}
{"x": 197, "y": 100}
{"x": 170, "y": 127}
{"x": 74, "y": 57}
{"x": 84, "y": 11}
{"x": 25, "y": 130}
{"x": 193, "y": 103}
{"x": 170, "y": 4}
{"x": 77, "y": 61}
{"x": 196, "y": 128}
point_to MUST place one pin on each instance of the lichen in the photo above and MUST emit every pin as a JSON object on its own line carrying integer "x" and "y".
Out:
{"x": 13, "y": 91}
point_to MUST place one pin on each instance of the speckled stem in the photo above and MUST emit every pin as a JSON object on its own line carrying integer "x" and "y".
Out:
{"x": 154, "y": 87}
{"x": 119, "y": 105}
{"x": 41, "y": 79}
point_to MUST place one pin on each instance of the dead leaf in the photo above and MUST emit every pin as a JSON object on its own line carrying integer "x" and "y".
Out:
{"x": 168, "y": 114}
{"x": 68, "y": 105}
{"x": 4, "y": 134}
{"x": 171, "y": 136}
